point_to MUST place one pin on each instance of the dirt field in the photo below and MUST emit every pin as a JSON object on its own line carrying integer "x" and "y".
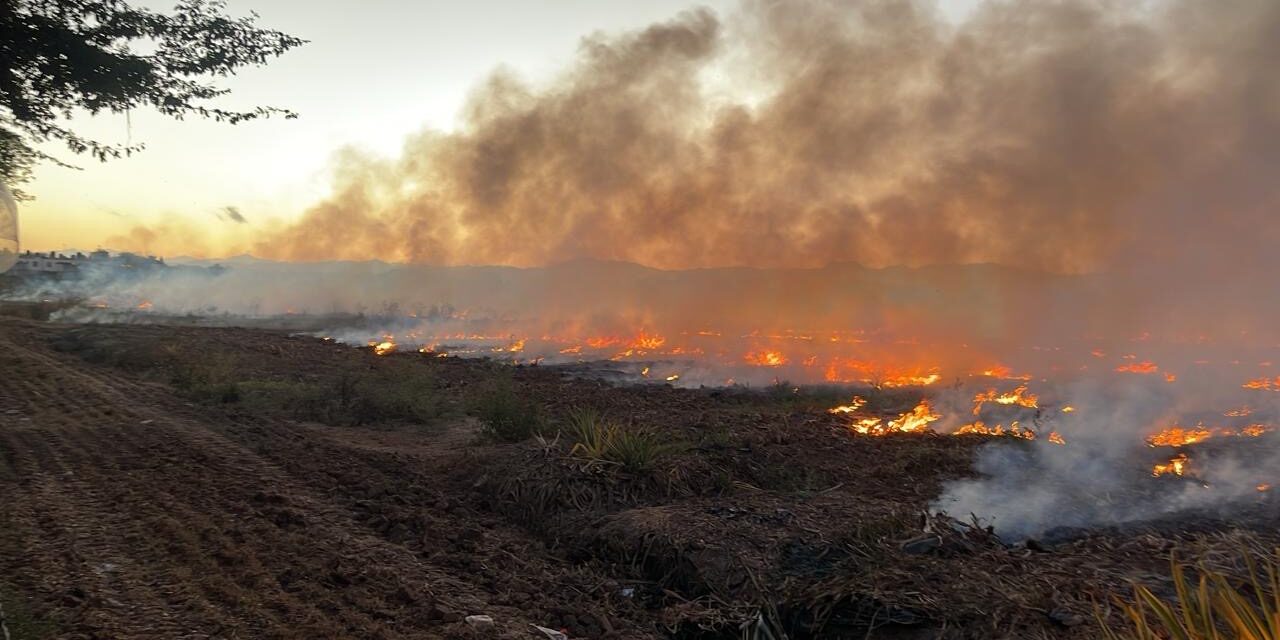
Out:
{"x": 180, "y": 482}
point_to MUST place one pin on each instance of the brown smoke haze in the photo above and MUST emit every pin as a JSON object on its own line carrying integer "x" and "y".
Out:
{"x": 1064, "y": 136}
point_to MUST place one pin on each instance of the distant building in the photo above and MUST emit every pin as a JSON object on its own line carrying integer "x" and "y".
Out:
{"x": 54, "y": 263}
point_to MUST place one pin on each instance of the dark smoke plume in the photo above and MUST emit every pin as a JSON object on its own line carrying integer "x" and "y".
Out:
{"x": 1066, "y": 136}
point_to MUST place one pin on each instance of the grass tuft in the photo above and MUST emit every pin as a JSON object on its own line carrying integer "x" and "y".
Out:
{"x": 600, "y": 440}
{"x": 1214, "y": 607}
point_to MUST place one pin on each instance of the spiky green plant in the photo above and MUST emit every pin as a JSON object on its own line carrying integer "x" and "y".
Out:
{"x": 601, "y": 440}
{"x": 1211, "y": 608}
{"x": 591, "y": 434}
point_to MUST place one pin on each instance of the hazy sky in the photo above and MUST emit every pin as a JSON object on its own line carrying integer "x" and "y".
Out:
{"x": 373, "y": 72}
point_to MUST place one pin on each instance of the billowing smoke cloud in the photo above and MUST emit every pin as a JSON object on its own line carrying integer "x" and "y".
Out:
{"x": 1066, "y": 136}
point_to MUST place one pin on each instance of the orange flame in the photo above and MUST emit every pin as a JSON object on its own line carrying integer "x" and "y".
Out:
{"x": 766, "y": 358}
{"x": 1144, "y": 367}
{"x": 853, "y": 406}
{"x": 915, "y": 421}
{"x": 646, "y": 342}
{"x": 1263, "y": 384}
{"x": 1176, "y": 466}
{"x": 1018, "y": 396}
{"x": 1179, "y": 436}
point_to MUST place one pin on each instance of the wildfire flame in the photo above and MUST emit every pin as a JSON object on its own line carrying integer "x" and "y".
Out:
{"x": 766, "y": 358}
{"x": 515, "y": 346}
{"x": 854, "y": 405}
{"x": 383, "y": 348}
{"x": 1018, "y": 396}
{"x": 646, "y": 342}
{"x": 1176, "y": 466}
{"x": 1004, "y": 373}
{"x": 1144, "y": 367}
{"x": 978, "y": 427}
{"x": 915, "y": 421}
{"x": 1180, "y": 437}
{"x": 1263, "y": 384}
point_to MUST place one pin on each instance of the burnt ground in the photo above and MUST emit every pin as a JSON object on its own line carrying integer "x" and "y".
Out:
{"x": 169, "y": 481}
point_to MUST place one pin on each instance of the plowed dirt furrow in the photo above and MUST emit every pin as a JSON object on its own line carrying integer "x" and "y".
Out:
{"x": 128, "y": 517}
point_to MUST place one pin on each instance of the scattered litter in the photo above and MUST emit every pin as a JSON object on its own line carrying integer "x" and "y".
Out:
{"x": 551, "y": 633}
{"x": 480, "y": 621}
{"x": 1066, "y": 618}
{"x": 921, "y": 545}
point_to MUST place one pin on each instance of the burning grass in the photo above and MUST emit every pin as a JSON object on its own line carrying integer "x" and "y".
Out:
{"x": 773, "y": 499}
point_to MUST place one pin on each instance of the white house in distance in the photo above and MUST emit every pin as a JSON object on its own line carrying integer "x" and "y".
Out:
{"x": 52, "y": 262}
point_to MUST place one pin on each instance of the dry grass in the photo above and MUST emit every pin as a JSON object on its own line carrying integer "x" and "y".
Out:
{"x": 1214, "y": 607}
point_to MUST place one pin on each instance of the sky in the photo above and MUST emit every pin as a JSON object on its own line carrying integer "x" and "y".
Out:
{"x": 372, "y": 74}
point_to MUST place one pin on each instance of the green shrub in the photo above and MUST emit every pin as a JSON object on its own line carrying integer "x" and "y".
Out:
{"x": 211, "y": 379}
{"x": 406, "y": 395}
{"x": 600, "y": 440}
{"x": 504, "y": 414}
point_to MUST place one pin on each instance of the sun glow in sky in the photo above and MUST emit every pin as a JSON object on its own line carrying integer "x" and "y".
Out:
{"x": 373, "y": 73}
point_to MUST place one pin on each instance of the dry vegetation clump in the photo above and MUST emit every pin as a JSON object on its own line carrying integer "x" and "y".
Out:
{"x": 1214, "y": 606}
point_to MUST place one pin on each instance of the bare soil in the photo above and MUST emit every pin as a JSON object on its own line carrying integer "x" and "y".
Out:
{"x": 142, "y": 499}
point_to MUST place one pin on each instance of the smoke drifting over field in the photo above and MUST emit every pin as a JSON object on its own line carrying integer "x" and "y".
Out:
{"x": 1066, "y": 136}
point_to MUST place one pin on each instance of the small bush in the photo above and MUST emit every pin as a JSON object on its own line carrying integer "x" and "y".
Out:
{"x": 1211, "y": 608}
{"x": 210, "y": 379}
{"x": 599, "y": 440}
{"x": 408, "y": 394}
{"x": 504, "y": 414}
